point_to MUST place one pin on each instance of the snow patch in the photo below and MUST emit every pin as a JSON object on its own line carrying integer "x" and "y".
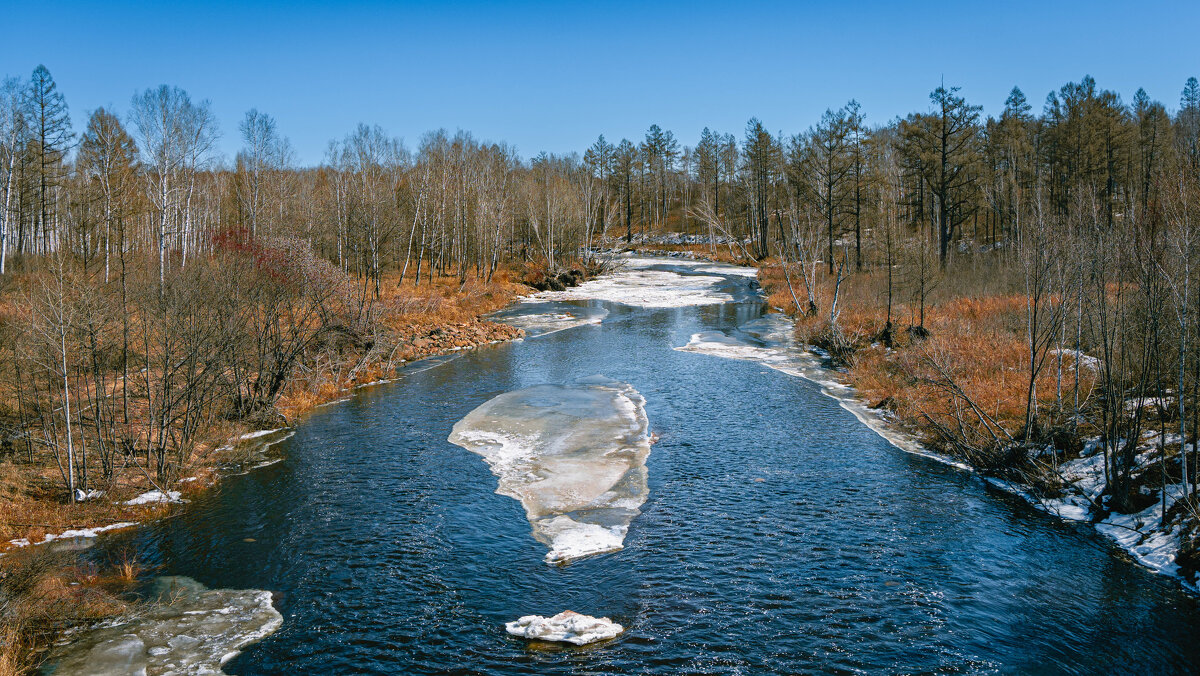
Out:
{"x": 73, "y": 533}
{"x": 155, "y": 497}
{"x": 1084, "y": 360}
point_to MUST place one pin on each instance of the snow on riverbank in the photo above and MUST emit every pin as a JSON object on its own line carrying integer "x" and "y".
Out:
{"x": 566, "y": 627}
{"x": 155, "y": 497}
{"x": 768, "y": 341}
{"x": 192, "y": 630}
{"x": 73, "y": 533}
{"x": 574, "y": 456}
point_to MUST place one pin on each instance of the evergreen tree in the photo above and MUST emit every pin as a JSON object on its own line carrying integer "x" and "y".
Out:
{"x": 50, "y": 125}
{"x": 945, "y": 145}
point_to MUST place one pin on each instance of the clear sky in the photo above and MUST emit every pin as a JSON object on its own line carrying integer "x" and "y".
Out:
{"x": 551, "y": 76}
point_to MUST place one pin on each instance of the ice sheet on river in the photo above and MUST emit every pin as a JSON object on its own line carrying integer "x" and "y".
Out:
{"x": 574, "y": 455}
{"x": 193, "y": 630}
{"x": 662, "y": 283}
{"x": 539, "y": 318}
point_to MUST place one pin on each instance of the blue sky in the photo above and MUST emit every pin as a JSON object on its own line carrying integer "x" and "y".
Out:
{"x": 549, "y": 76}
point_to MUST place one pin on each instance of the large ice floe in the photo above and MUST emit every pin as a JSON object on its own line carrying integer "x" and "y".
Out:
{"x": 566, "y": 627}
{"x": 574, "y": 455}
{"x": 650, "y": 282}
{"x": 190, "y": 630}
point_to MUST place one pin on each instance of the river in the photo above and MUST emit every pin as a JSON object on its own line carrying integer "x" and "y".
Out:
{"x": 780, "y": 535}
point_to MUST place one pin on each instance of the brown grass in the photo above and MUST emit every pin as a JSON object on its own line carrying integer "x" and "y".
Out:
{"x": 41, "y": 594}
{"x": 976, "y": 332}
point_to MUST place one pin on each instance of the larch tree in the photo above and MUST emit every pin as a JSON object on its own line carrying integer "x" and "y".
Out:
{"x": 945, "y": 142}
{"x": 51, "y": 137}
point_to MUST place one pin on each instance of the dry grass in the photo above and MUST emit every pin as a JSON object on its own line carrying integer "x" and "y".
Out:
{"x": 41, "y": 594}
{"x": 418, "y": 320}
{"x": 415, "y": 320}
{"x": 976, "y": 334}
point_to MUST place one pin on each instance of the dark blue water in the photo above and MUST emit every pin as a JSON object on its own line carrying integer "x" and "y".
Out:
{"x": 389, "y": 553}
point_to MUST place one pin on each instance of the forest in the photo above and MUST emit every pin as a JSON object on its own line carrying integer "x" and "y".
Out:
{"x": 154, "y": 294}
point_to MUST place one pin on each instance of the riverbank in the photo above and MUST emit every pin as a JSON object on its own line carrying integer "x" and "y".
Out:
{"x": 962, "y": 375}
{"x": 417, "y": 323}
{"x": 778, "y": 518}
{"x": 45, "y": 591}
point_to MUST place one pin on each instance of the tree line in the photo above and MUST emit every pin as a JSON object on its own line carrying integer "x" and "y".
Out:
{"x": 163, "y": 286}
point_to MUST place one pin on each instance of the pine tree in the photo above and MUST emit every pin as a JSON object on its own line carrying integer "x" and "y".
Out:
{"x": 945, "y": 144}
{"x": 1188, "y": 123}
{"x": 50, "y": 124}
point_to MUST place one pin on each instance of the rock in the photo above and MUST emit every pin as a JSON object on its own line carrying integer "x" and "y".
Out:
{"x": 567, "y": 627}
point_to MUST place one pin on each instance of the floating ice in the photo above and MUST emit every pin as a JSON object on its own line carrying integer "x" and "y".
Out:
{"x": 567, "y": 627}
{"x": 658, "y": 283}
{"x": 573, "y": 455}
{"x": 193, "y": 630}
{"x": 538, "y": 318}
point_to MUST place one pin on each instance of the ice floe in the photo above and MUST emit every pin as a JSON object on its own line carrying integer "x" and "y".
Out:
{"x": 567, "y": 627}
{"x": 574, "y": 455}
{"x": 539, "y": 318}
{"x": 191, "y": 630}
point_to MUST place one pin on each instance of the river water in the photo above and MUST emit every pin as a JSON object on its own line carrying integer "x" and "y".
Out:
{"x": 779, "y": 536}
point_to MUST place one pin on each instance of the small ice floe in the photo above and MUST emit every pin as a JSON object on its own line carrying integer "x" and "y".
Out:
{"x": 192, "y": 630}
{"x": 573, "y": 455}
{"x": 566, "y": 627}
{"x": 155, "y": 497}
{"x": 539, "y": 318}
{"x": 570, "y": 539}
